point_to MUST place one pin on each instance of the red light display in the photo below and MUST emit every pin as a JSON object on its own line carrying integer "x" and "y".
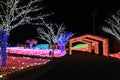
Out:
{"x": 93, "y": 43}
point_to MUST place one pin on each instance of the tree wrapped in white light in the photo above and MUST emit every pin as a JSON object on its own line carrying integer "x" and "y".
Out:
{"x": 14, "y": 13}
{"x": 49, "y": 33}
{"x": 113, "y": 25}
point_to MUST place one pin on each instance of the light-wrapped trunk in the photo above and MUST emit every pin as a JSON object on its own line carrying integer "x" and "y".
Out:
{"x": 3, "y": 48}
{"x": 62, "y": 47}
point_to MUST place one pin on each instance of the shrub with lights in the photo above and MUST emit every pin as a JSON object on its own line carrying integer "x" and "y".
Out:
{"x": 31, "y": 42}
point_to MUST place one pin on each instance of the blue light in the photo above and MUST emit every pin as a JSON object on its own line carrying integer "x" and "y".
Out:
{"x": 42, "y": 46}
{"x": 63, "y": 38}
{"x": 3, "y": 43}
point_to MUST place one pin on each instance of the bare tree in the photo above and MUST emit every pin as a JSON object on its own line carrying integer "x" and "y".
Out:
{"x": 13, "y": 14}
{"x": 49, "y": 33}
{"x": 63, "y": 38}
{"x": 113, "y": 25}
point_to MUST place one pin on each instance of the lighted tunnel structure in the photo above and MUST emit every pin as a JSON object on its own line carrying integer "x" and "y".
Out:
{"x": 96, "y": 44}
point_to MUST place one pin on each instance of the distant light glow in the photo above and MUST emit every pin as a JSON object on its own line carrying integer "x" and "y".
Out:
{"x": 1, "y": 76}
{"x": 115, "y": 55}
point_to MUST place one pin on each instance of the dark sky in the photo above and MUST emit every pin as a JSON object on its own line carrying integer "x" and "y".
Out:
{"x": 82, "y": 15}
{"x": 79, "y": 16}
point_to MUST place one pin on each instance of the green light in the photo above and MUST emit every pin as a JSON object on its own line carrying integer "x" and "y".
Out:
{"x": 42, "y": 46}
{"x": 80, "y": 45}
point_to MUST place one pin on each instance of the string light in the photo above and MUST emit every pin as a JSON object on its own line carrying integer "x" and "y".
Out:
{"x": 24, "y": 62}
{"x": 90, "y": 39}
{"x": 34, "y": 52}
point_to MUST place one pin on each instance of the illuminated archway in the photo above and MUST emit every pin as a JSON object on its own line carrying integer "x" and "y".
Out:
{"x": 91, "y": 39}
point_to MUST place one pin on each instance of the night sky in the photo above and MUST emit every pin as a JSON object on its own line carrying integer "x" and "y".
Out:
{"x": 79, "y": 16}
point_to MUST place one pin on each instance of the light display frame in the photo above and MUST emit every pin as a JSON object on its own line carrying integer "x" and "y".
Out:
{"x": 88, "y": 38}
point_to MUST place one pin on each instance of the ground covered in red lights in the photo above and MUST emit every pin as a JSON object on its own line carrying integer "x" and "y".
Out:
{"x": 15, "y": 64}
{"x": 22, "y": 58}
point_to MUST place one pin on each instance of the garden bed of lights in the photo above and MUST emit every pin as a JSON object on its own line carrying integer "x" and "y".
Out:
{"x": 34, "y": 52}
{"x": 15, "y": 64}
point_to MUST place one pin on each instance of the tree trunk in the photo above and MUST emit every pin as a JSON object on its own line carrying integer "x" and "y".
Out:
{"x": 3, "y": 48}
{"x": 53, "y": 48}
{"x": 62, "y": 47}
{"x": 31, "y": 45}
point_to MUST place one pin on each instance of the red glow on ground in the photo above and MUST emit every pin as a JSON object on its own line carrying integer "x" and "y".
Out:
{"x": 18, "y": 63}
{"x": 115, "y": 55}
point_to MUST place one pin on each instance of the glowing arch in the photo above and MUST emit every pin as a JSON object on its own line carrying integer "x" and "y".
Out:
{"x": 91, "y": 39}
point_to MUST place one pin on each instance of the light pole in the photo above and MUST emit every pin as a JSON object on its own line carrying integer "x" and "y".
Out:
{"x": 94, "y": 19}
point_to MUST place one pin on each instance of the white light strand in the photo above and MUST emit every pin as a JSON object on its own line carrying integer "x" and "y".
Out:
{"x": 113, "y": 27}
{"x": 13, "y": 15}
{"x": 50, "y": 31}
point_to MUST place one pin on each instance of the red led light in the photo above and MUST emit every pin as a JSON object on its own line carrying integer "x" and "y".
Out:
{"x": 93, "y": 43}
